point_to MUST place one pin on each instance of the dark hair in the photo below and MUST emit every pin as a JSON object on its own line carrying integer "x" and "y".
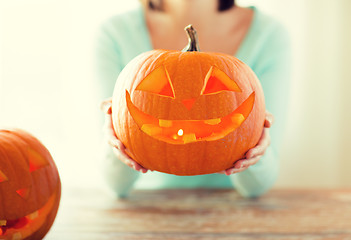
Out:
{"x": 223, "y": 5}
{"x": 155, "y": 5}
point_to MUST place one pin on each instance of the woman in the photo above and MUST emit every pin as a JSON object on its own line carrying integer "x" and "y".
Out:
{"x": 222, "y": 26}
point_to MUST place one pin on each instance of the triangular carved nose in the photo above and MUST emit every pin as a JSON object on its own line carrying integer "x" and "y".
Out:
{"x": 188, "y": 103}
{"x": 24, "y": 192}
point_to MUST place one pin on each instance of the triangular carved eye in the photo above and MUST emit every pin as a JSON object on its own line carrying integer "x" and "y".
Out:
{"x": 36, "y": 161}
{"x": 3, "y": 177}
{"x": 157, "y": 82}
{"x": 217, "y": 81}
{"x": 24, "y": 192}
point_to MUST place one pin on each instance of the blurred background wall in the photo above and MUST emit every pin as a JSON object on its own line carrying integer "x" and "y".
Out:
{"x": 46, "y": 84}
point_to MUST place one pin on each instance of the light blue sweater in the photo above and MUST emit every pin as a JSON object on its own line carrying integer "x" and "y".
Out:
{"x": 265, "y": 49}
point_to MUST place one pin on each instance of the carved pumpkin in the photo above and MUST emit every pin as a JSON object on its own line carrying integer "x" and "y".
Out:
{"x": 30, "y": 187}
{"x": 187, "y": 112}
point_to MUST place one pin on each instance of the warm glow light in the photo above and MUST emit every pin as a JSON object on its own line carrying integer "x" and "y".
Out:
{"x": 187, "y": 131}
{"x": 23, "y": 227}
{"x": 217, "y": 81}
{"x": 24, "y": 192}
{"x": 17, "y": 236}
{"x": 157, "y": 82}
{"x": 36, "y": 160}
{"x": 3, "y": 178}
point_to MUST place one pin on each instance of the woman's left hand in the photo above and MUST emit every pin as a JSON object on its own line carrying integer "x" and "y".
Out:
{"x": 254, "y": 154}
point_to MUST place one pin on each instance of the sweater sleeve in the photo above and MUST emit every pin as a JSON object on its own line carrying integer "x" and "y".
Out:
{"x": 272, "y": 69}
{"x": 108, "y": 62}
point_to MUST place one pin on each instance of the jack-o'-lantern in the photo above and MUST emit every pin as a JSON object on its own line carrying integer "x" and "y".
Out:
{"x": 187, "y": 112}
{"x": 30, "y": 187}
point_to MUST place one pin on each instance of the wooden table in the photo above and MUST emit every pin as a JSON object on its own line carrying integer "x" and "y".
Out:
{"x": 204, "y": 214}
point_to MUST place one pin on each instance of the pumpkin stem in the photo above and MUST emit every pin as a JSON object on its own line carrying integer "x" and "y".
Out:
{"x": 193, "y": 45}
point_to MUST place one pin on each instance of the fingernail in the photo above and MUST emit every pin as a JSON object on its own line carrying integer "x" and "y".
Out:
{"x": 115, "y": 143}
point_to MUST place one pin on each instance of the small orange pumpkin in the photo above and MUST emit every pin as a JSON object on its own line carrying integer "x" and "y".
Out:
{"x": 187, "y": 112}
{"x": 30, "y": 186}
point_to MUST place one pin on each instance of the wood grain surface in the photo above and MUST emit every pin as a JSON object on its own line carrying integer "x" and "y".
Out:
{"x": 203, "y": 214}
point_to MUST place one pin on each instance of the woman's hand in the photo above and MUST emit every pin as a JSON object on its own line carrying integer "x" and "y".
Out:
{"x": 118, "y": 148}
{"x": 254, "y": 154}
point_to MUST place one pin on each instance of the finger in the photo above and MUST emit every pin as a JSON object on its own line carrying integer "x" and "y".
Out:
{"x": 242, "y": 163}
{"x": 234, "y": 170}
{"x": 108, "y": 126}
{"x": 110, "y": 134}
{"x": 268, "y": 120}
{"x": 114, "y": 142}
{"x": 261, "y": 146}
{"x": 105, "y": 106}
{"x": 138, "y": 166}
{"x": 122, "y": 156}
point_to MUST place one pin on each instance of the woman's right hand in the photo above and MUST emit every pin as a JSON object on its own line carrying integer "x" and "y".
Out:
{"x": 117, "y": 146}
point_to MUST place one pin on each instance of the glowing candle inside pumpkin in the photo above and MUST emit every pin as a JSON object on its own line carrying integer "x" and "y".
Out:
{"x": 180, "y": 132}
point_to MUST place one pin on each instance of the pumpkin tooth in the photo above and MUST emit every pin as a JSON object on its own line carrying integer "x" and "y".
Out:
{"x": 33, "y": 215}
{"x": 165, "y": 123}
{"x": 17, "y": 236}
{"x": 188, "y": 138}
{"x": 237, "y": 118}
{"x": 151, "y": 129}
{"x": 3, "y": 222}
{"x": 214, "y": 121}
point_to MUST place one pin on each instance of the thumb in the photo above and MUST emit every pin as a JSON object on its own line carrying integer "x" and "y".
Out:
{"x": 106, "y": 105}
{"x": 268, "y": 120}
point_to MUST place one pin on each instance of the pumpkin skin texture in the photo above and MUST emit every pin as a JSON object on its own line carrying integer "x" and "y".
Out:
{"x": 30, "y": 187}
{"x": 187, "y": 112}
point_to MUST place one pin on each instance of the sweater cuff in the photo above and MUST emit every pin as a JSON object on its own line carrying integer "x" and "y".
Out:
{"x": 119, "y": 177}
{"x": 259, "y": 178}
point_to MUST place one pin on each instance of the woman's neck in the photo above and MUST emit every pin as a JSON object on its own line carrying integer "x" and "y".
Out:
{"x": 191, "y": 9}
{"x": 219, "y": 31}
{"x": 183, "y": 12}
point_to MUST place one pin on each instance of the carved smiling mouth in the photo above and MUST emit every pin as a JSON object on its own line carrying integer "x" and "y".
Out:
{"x": 188, "y": 131}
{"x": 25, "y": 226}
